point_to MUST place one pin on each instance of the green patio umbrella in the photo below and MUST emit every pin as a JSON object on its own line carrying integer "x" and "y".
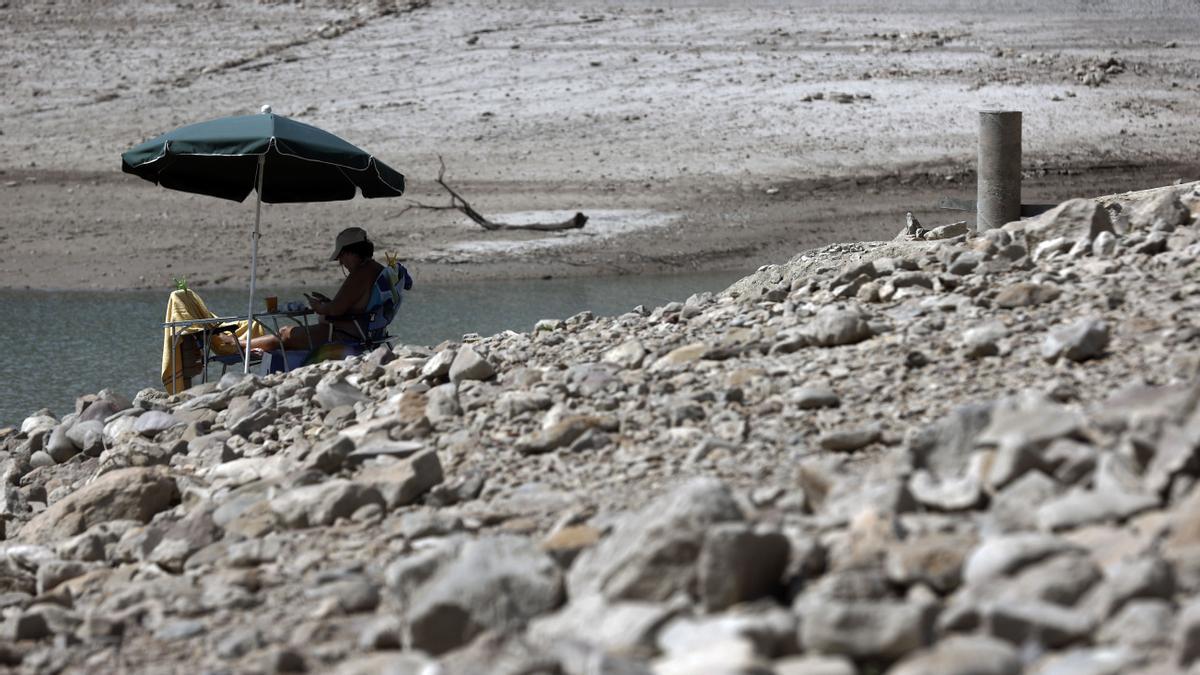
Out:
{"x": 280, "y": 159}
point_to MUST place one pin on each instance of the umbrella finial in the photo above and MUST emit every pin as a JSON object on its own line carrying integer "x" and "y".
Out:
{"x": 266, "y": 109}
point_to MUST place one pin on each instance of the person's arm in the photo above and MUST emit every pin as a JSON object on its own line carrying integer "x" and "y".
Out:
{"x": 317, "y": 302}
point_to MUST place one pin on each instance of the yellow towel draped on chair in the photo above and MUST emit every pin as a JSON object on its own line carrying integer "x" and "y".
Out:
{"x": 187, "y": 305}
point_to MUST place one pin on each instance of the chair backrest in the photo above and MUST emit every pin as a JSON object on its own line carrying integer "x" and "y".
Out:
{"x": 386, "y": 296}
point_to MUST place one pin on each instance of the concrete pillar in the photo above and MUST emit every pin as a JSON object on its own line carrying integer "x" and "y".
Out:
{"x": 998, "y": 187}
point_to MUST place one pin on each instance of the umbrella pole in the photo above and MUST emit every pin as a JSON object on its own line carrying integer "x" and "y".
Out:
{"x": 262, "y": 159}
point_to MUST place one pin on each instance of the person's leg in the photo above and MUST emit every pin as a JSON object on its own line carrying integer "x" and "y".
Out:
{"x": 305, "y": 337}
{"x": 265, "y": 343}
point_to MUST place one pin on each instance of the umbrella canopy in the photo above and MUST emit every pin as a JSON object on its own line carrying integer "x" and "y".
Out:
{"x": 281, "y": 159}
{"x": 302, "y": 163}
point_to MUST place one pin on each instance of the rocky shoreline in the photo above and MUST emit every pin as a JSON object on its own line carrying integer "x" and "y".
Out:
{"x": 945, "y": 453}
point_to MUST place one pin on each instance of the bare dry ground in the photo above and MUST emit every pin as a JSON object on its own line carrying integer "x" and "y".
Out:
{"x": 717, "y": 135}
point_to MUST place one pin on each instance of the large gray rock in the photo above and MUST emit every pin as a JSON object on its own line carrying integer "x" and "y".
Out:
{"x": 1020, "y": 430}
{"x": 1006, "y": 554}
{"x": 624, "y": 627}
{"x": 853, "y": 271}
{"x": 727, "y": 656}
{"x": 1141, "y": 624}
{"x": 124, "y": 494}
{"x": 1187, "y": 635}
{"x": 652, "y": 555}
{"x": 1105, "y": 660}
{"x": 514, "y": 403}
{"x": 1105, "y": 245}
{"x": 38, "y": 424}
{"x": 151, "y": 422}
{"x": 589, "y": 379}
{"x": 442, "y": 403}
{"x": 562, "y": 433}
{"x": 948, "y": 231}
{"x": 178, "y": 541}
{"x": 1072, "y": 220}
{"x": 1014, "y": 508}
{"x": 1061, "y": 580}
{"x": 438, "y": 366}
{"x": 138, "y": 452}
{"x": 386, "y": 663}
{"x": 1029, "y": 422}
{"x": 51, "y": 573}
{"x": 947, "y": 494}
{"x": 813, "y": 397}
{"x": 493, "y": 584}
{"x": 965, "y": 263}
{"x": 1073, "y": 461}
{"x": 962, "y": 655}
{"x": 945, "y": 446}
{"x": 1174, "y": 456}
{"x": 1130, "y": 405}
{"x": 1043, "y": 623}
{"x": 814, "y": 665}
{"x": 773, "y": 630}
{"x": 24, "y": 625}
{"x": 99, "y": 410}
{"x": 321, "y": 504}
{"x": 1026, "y": 294}
{"x": 935, "y": 560}
{"x": 1127, "y": 580}
{"x": 852, "y": 579}
{"x": 88, "y": 435}
{"x": 244, "y": 416}
{"x": 406, "y": 480}
{"x": 333, "y": 392}
{"x": 1084, "y": 507}
{"x": 469, "y": 365}
{"x": 59, "y": 444}
{"x": 984, "y": 339}
{"x": 1082, "y": 340}
{"x": 327, "y": 456}
{"x": 738, "y": 564}
{"x": 849, "y": 440}
{"x": 874, "y": 631}
{"x": 833, "y": 326}
{"x": 681, "y": 357}
{"x": 1164, "y": 212}
{"x": 406, "y": 575}
{"x": 628, "y": 354}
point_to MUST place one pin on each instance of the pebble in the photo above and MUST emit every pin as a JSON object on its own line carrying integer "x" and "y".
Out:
{"x": 1085, "y": 339}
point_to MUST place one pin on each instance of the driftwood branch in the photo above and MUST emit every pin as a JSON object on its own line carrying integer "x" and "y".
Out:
{"x": 460, "y": 204}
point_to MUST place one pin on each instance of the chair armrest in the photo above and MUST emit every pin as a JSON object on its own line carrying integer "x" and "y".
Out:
{"x": 361, "y": 321}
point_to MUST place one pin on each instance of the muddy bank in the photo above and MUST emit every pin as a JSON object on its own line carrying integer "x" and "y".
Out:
{"x": 693, "y": 110}
{"x": 678, "y": 226}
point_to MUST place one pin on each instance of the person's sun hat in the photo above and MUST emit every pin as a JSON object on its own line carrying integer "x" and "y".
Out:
{"x": 350, "y": 235}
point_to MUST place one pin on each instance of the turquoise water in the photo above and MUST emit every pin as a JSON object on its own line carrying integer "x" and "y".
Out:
{"x": 55, "y": 346}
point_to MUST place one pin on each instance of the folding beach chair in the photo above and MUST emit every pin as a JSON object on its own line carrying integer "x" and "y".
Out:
{"x": 237, "y": 358}
{"x": 370, "y": 326}
{"x": 187, "y": 329}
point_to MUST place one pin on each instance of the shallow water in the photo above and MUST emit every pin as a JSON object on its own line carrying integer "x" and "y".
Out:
{"x": 58, "y": 345}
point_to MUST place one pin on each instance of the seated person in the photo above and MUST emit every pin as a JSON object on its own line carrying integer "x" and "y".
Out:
{"x": 354, "y": 251}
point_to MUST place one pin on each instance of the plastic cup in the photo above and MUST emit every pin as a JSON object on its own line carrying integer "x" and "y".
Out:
{"x": 272, "y": 304}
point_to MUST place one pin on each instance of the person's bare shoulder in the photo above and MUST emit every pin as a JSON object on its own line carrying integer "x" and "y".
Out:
{"x": 362, "y": 278}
